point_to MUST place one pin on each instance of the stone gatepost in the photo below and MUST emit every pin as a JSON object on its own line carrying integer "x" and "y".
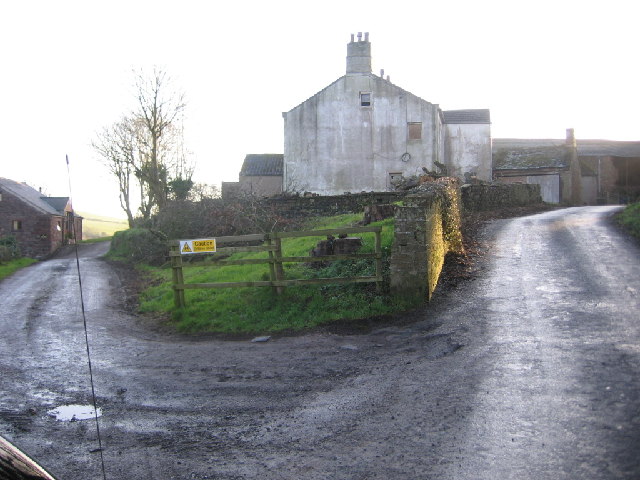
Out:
{"x": 409, "y": 253}
{"x": 419, "y": 248}
{"x": 418, "y": 251}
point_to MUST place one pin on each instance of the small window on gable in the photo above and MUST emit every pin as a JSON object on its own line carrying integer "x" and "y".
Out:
{"x": 365, "y": 99}
{"x": 16, "y": 225}
{"x": 415, "y": 130}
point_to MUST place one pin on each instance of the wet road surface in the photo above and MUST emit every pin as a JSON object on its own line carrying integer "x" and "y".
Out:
{"x": 530, "y": 371}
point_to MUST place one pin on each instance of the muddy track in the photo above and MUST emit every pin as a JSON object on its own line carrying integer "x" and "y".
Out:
{"x": 528, "y": 368}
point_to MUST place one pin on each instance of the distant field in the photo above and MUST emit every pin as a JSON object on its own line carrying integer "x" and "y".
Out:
{"x": 96, "y": 226}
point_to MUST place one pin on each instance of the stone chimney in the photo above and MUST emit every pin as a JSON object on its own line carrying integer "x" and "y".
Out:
{"x": 359, "y": 54}
{"x": 574, "y": 168}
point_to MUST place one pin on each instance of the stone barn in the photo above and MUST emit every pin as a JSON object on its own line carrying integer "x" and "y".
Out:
{"x": 609, "y": 170}
{"x": 39, "y": 224}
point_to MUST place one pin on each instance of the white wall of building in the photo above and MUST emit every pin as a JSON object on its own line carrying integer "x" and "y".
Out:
{"x": 333, "y": 144}
{"x": 468, "y": 150}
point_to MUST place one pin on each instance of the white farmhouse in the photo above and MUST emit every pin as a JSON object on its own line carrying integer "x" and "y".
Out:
{"x": 362, "y": 131}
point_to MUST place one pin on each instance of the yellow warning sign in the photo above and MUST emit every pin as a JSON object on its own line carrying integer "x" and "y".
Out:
{"x": 201, "y": 245}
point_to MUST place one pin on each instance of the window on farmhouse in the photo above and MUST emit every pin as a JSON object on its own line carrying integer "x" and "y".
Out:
{"x": 415, "y": 131}
{"x": 17, "y": 225}
{"x": 365, "y": 99}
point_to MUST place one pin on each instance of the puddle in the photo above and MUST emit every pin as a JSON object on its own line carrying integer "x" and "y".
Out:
{"x": 71, "y": 413}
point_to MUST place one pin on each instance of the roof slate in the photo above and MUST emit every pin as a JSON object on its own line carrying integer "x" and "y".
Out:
{"x": 262, "y": 164}
{"x": 530, "y": 158}
{"x": 586, "y": 148}
{"x": 50, "y": 205}
{"x": 466, "y": 116}
{"x": 597, "y": 148}
{"x": 531, "y": 153}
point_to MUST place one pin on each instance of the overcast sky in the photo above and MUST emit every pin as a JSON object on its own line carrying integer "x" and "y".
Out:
{"x": 66, "y": 72}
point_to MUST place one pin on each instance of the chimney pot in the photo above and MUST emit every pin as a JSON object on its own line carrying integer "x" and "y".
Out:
{"x": 352, "y": 39}
{"x": 366, "y": 36}
{"x": 359, "y": 56}
{"x": 571, "y": 137}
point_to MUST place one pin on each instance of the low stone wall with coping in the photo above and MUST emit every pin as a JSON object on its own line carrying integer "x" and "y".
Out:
{"x": 427, "y": 227}
{"x": 482, "y": 197}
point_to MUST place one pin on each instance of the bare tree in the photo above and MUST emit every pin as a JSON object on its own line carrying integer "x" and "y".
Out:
{"x": 116, "y": 146}
{"x": 148, "y": 145}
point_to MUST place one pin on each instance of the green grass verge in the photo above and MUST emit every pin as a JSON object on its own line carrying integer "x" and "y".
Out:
{"x": 8, "y": 268}
{"x": 629, "y": 218}
{"x": 97, "y": 240}
{"x": 259, "y": 310}
{"x": 96, "y": 226}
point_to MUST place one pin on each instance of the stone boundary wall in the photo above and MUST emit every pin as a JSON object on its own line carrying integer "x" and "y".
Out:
{"x": 478, "y": 198}
{"x": 474, "y": 198}
{"x": 427, "y": 227}
{"x": 331, "y": 205}
{"x": 425, "y": 231}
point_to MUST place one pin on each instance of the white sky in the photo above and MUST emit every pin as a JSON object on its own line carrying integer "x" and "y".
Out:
{"x": 66, "y": 72}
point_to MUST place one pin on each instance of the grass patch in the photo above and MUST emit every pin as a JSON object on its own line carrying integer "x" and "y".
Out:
{"x": 96, "y": 226}
{"x": 8, "y": 268}
{"x": 259, "y": 310}
{"x": 97, "y": 240}
{"x": 629, "y": 218}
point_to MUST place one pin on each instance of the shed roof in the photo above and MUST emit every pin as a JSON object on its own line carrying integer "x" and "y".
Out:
{"x": 530, "y": 158}
{"x": 262, "y": 164}
{"x": 597, "y": 148}
{"x": 467, "y": 116}
{"x": 586, "y": 148}
{"x": 31, "y": 196}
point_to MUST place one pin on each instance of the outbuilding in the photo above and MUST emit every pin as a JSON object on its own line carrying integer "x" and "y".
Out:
{"x": 38, "y": 223}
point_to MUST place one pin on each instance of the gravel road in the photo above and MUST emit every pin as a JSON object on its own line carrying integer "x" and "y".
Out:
{"x": 529, "y": 371}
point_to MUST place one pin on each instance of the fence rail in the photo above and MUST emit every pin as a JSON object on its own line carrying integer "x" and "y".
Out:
{"x": 272, "y": 245}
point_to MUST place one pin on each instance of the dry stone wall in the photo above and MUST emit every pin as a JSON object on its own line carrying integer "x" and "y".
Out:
{"x": 482, "y": 197}
{"x": 426, "y": 229}
{"x": 331, "y": 205}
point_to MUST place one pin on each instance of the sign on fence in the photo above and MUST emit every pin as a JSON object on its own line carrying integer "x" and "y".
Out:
{"x": 202, "y": 245}
{"x": 271, "y": 244}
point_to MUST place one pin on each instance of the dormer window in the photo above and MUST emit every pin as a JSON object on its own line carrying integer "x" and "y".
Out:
{"x": 365, "y": 99}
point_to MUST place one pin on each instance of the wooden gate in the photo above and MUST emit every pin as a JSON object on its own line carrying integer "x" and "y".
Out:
{"x": 271, "y": 244}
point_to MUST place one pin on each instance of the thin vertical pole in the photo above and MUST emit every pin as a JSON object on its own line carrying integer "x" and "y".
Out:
{"x": 378, "y": 261}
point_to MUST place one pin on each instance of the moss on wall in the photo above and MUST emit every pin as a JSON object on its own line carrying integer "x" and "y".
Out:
{"x": 427, "y": 228}
{"x": 436, "y": 249}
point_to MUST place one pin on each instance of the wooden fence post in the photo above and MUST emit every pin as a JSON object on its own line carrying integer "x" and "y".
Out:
{"x": 177, "y": 276}
{"x": 278, "y": 266}
{"x": 272, "y": 269}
